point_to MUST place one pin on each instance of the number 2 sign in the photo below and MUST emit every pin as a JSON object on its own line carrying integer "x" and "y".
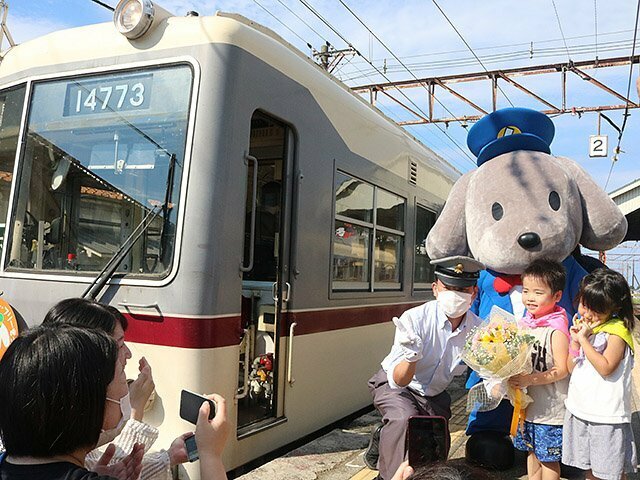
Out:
{"x": 598, "y": 145}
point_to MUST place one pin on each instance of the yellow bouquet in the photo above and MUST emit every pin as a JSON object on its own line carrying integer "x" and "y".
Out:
{"x": 498, "y": 350}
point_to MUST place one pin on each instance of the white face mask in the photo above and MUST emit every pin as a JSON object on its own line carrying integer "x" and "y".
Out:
{"x": 453, "y": 303}
{"x": 125, "y": 409}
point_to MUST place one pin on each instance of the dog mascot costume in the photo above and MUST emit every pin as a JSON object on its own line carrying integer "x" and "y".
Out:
{"x": 520, "y": 204}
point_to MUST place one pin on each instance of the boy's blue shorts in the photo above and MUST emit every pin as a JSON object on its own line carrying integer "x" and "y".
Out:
{"x": 543, "y": 440}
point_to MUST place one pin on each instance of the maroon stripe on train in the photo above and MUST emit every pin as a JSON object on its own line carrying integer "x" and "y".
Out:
{"x": 324, "y": 320}
{"x": 183, "y": 332}
{"x": 206, "y": 332}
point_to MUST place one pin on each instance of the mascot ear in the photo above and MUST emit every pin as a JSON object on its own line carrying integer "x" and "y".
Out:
{"x": 604, "y": 226}
{"x": 448, "y": 237}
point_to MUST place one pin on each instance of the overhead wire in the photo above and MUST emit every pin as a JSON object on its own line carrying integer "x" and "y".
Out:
{"x": 393, "y": 54}
{"x": 283, "y": 24}
{"x": 303, "y": 21}
{"x": 411, "y": 73}
{"x": 502, "y": 58}
{"x": 328, "y": 24}
{"x": 102, "y": 4}
{"x": 522, "y": 44}
{"x": 626, "y": 114}
{"x": 470, "y": 49}
{"x": 391, "y": 115}
{"x": 595, "y": 23}
{"x": 561, "y": 31}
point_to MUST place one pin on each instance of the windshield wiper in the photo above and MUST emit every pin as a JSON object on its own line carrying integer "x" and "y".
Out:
{"x": 112, "y": 265}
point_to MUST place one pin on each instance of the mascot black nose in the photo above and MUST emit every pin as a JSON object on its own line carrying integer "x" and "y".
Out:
{"x": 529, "y": 240}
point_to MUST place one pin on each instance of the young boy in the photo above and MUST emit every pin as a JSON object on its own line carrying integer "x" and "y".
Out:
{"x": 542, "y": 283}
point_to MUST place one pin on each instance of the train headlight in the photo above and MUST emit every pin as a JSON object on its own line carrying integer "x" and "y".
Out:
{"x": 133, "y": 18}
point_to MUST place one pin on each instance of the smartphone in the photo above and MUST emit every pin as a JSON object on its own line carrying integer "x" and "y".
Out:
{"x": 190, "y": 404}
{"x": 192, "y": 448}
{"x": 427, "y": 440}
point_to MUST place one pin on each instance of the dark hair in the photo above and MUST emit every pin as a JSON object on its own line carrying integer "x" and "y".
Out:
{"x": 450, "y": 470}
{"x": 54, "y": 385}
{"x": 606, "y": 291}
{"x": 548, "y": 271}
{"x": 83, "y": 312}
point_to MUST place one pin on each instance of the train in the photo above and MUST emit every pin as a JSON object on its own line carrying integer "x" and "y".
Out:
{"x": 257, "y": 222}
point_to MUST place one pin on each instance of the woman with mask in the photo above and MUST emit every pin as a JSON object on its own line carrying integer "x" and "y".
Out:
{"x": 423, "y": 360}
{"x": 60, "y": 388}
{"x": 155, "y": 465}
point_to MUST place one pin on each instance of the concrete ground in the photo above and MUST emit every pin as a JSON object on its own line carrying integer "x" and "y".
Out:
{"x": 338, "y": 454}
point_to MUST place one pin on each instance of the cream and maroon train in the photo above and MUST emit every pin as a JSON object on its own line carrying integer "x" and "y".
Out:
{"x": 281, "y": 219}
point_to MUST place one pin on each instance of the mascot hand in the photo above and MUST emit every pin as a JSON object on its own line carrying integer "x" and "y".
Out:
{"x": 410, "y": 343}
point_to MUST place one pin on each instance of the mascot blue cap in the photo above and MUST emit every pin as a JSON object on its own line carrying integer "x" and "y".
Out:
{"x": 508, "y": 130}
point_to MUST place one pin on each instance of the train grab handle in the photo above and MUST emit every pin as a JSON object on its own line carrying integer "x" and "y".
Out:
{"x": 290, "y": 378}
{"x": 287, "y": 291}
{"x": 254, "y": 198}
{"x": 246, "y": 343}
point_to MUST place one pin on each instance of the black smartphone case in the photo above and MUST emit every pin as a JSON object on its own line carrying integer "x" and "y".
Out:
{"x": 427, "y": 440}
{"x": 190, "y": 406}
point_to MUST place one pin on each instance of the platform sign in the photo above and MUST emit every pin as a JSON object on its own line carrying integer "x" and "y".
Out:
{"x": 598, "y": 145}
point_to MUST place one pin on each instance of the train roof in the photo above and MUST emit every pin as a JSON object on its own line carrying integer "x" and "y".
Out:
{"x": 97, "y": 46}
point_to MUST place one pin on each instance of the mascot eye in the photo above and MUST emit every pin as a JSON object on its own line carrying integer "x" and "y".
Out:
{"x": 497, "y": 211}
{"x": 554, "y": 200}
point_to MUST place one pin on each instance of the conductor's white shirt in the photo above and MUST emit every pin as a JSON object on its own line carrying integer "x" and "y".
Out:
{"x": 441, "y": 349}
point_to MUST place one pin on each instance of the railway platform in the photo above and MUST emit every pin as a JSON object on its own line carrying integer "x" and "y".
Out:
{"x": 338, "y": 455}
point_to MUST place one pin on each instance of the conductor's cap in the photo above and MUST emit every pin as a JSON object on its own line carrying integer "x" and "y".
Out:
{"x": 458, "y": 271}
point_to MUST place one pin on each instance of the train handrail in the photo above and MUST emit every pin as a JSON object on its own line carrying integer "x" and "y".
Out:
{"x": 254, "y": 198}
{"x": 290, "y": 378}
{"x": 141, "y": 306}
{"x": 247, "y": 361}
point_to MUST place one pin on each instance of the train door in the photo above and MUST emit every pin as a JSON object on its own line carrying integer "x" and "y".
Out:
{"x": 265, "y": 273}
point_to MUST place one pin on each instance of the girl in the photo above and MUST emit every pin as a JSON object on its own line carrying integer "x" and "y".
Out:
{"x": 597, "y": 434}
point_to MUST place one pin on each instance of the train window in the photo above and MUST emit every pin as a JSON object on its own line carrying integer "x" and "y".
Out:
{"x": 389, "y": 210}
{"x": 103, "y": 155}
{"x": 423, "y": 274}
{"x": 388, "y": 253}
{"x": 367, "y": 248}
{"x": 11, "y": 106}
{"x": 351, "y": 256}
{"x": 354, "y": 198}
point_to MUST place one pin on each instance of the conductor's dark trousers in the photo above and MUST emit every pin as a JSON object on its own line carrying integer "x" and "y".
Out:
{"x": 396, "y": 406}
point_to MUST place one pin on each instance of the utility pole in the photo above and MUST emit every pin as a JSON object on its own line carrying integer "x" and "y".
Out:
{"x": 4, "y": 30}
{"x": 329, "y": 58}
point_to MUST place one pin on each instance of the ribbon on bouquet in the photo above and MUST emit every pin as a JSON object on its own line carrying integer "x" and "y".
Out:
{"x": 517, "y": 419}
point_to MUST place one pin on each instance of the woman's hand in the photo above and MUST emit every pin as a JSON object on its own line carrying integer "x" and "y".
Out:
{"x": 126, "y": 469}
{"x": 141, "y": 389}
{"x": 211, "y": 435}
{"x": 178, "y": 450}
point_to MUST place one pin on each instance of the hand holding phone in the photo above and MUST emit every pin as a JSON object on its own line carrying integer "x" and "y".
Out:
{"x": 427, "y": 440}
{"x": 190, "y": 404}
{"x": 192, "y": 448}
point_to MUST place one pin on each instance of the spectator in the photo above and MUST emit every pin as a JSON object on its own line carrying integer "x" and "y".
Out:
{"x": 60, "y": 387}
{"x": 86, "y": 313}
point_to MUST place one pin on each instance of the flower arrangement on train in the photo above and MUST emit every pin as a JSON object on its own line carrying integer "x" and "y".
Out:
{"x": 497, "y": 350}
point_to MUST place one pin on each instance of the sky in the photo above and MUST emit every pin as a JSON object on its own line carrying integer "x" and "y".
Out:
{"x": 502, "y": 34}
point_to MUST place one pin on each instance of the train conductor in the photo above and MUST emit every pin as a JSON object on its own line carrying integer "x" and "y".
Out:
{"x": 423, "y": 360}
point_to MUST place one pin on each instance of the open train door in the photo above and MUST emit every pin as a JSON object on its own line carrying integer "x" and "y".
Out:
{"x": 266, "y": 284}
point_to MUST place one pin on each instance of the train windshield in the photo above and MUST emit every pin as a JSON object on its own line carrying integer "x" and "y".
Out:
{"x": 101, "y": 154}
